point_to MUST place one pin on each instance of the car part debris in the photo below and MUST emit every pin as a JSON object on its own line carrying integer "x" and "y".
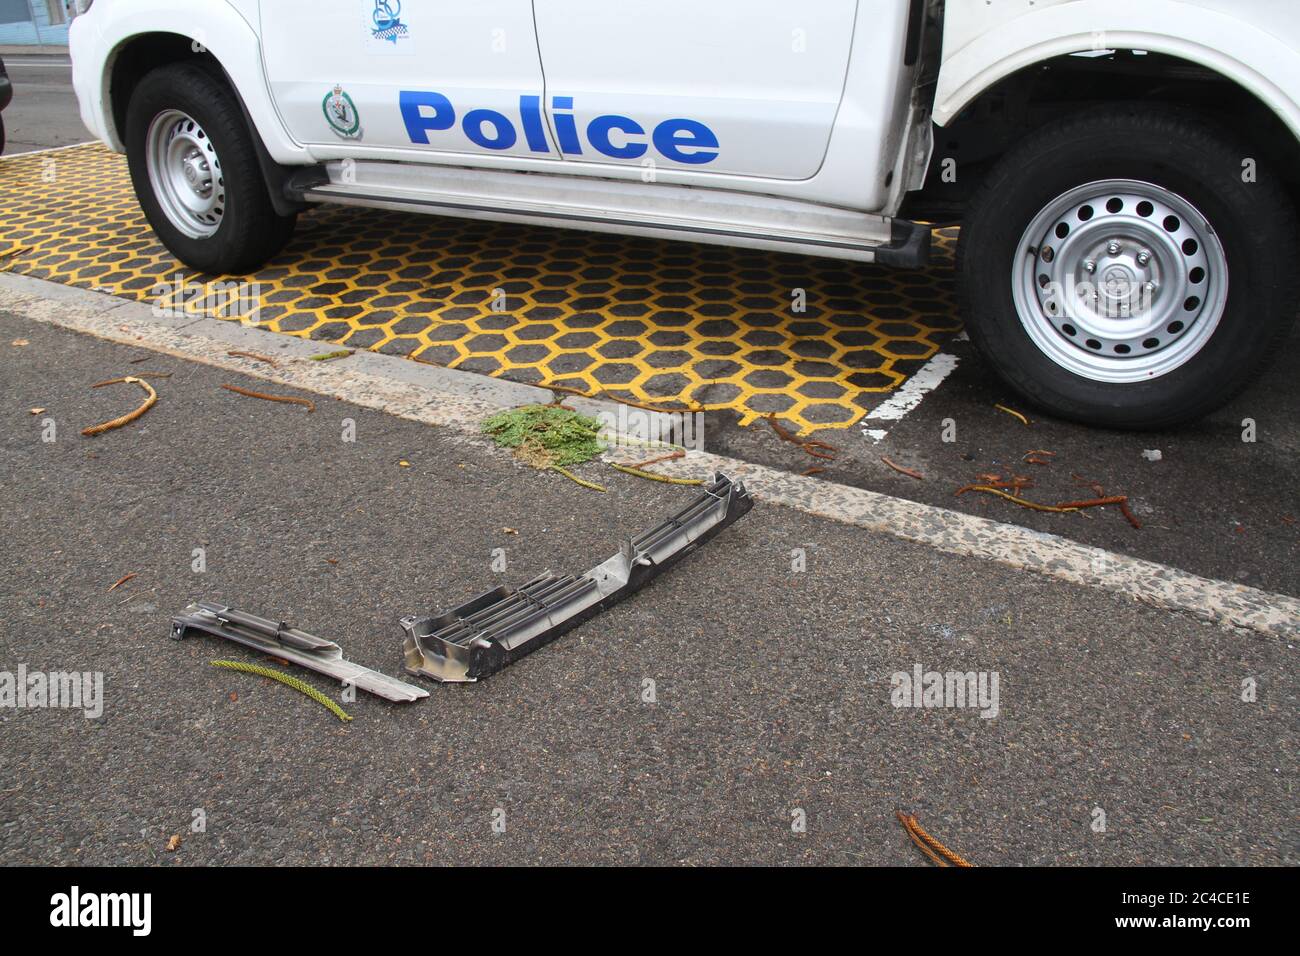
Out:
{"x": 485, "y": 634}
{"x": 151, "y": 397}
{"x": 288, "y": 680}
{"x": 932, "y": 848}
{"x": 291, "y": 644}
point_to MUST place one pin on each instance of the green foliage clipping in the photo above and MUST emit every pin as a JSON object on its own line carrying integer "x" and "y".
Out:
{"x": 546, "y": 436}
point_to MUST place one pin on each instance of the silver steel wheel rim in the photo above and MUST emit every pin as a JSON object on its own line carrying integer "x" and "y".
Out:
{"x": 1120, "y": 281}
{"x": 185, "y": 174}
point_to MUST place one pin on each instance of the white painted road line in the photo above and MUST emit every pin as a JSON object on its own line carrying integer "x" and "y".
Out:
{"x": 1154, "y": 584}
{"x": 48, "y": 149}
{"x": 460, "y": 400}
{"x": 908, "y": 396}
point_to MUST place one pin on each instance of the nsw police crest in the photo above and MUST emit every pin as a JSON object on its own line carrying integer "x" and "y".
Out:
{"x": 341, "y": 113}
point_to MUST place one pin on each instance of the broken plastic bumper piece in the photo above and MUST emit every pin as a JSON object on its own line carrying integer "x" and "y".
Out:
{"x": 482, "y": 636}
{"x": 280, "y": 640}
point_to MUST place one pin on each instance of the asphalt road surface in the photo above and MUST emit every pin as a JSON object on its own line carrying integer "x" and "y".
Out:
{"x": 44, "y": 108}
{"x": 1120, "y": 735}
{"x": 771, "y": 687}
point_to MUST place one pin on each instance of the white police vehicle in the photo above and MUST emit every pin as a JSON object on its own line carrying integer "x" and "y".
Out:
{"x": 1125, "y": 173}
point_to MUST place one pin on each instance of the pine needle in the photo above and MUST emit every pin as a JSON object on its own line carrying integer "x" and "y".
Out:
{"x": 288, "y": 680}
{"x": 653, "y": 477}
{"x": 574, "y": 478}
{"x": 546, "y": 435}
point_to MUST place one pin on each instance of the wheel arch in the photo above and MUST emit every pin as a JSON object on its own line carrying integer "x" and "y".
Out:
{"x": 981, "y": 50}
{"x": 136, "y": 56}
{"x": 141, "y": 53}
{"x": 142, "y": 35}
{"x": 1019, "y": 103}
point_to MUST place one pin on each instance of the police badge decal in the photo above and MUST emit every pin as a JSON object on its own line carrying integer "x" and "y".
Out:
{"x": 341, "y": 113}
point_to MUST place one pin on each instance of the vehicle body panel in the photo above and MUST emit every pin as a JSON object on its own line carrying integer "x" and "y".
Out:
{"x": 857, "y": 170}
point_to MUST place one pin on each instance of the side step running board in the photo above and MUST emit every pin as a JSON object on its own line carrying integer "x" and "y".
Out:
{"x": 280, "y": 640}
{"x": 622, "y": 207}
{"x": 485, "y": 634}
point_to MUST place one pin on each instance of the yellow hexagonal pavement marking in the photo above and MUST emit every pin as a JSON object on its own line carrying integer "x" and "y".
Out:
{"x": 634, "y": 318}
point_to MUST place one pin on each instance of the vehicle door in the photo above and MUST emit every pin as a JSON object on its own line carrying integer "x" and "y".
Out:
{"x": 740, "y": 87}
{"x": 407, "y": 80}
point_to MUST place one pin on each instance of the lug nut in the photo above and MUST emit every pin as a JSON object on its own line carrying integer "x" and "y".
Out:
{"x": 1144, "y": 257}
{"x": 1089, "y": 266}
{"x": 1113, "y": 247}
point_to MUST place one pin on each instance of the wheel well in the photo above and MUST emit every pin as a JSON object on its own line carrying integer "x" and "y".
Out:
{"x": 146, "y": 52}
{"x": 1040, "y": 94}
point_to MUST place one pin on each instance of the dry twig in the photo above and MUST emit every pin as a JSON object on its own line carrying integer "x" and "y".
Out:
{"x": 930, "y": 846}
{"x": 306, "y": 403}
{"x": 151, "y": 397}
{"x": 122, "y": 580}
{"x": 256, "y": 356}
{"x": 990, "y": 490}
{"x": 903, "y": 471}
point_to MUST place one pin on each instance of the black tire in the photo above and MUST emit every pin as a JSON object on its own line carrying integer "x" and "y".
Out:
{"x": 1255, "y": 223}
{"x": 2, "y": 134}
{"x": 251, "y": 232}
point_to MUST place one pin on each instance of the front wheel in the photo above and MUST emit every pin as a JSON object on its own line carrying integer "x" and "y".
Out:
{"x": 194, "y": 166}
{"x": 1124, "y": 268}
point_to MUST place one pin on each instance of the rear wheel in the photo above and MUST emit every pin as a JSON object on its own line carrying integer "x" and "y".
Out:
{"x": 194, "y": 166}
{"x": 1121, "y": 268}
